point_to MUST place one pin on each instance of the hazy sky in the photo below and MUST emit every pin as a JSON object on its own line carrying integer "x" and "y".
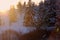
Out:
{"x": 5, "y": 4}
{"x": 36, "y": 1}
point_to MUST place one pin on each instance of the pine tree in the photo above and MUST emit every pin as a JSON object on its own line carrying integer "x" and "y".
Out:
{"x": 0, "y": 22}
{"x": 58, "y": 15}
{"x": 28, "y": 19}
{"x": 48, "y": 17}
{"x": 24, "y": 5}
{"x": 40, "y": 15}
{"x": 50, "y": 9}
{"x": 19, "y": 6}
{"x": 12, "y": 15}
{"x": 29, "y": 15}
{"x": 29, "y": 3}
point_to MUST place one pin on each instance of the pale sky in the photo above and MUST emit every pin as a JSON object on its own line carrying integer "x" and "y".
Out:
{"x": 5, "y": 4}
{"x": 36, "y": 1}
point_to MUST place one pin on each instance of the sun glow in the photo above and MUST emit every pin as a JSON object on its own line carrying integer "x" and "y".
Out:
{"x": 5, "y": 4}
{"x": 36, "y": 1}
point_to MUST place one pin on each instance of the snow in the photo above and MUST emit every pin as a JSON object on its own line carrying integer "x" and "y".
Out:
{"x": 16, "y": 26}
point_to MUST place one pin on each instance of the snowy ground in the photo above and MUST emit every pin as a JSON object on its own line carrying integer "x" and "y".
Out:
{"x": 17, "y": 26}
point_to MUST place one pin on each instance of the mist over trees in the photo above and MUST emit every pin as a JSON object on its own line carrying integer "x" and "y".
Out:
{"x": 43, "y": 17}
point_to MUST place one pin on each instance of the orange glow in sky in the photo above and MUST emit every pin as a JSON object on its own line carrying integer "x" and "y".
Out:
{"x": 5, "y": 4}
